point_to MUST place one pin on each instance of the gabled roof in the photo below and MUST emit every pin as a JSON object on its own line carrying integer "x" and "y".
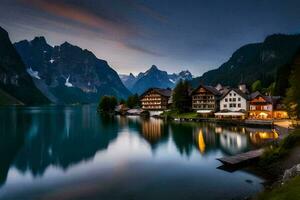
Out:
{"x": 212, "y": 89}
{"x": 163, "y": 92}
{"x": 269, "y": 99}
{"x": 239, "y": 92}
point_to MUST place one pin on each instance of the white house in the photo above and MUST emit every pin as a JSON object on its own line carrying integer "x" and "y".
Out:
{"x": 234, "y": 103}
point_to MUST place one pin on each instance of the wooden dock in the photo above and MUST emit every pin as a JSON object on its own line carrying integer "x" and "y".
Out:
{"x": 241, "y": 158}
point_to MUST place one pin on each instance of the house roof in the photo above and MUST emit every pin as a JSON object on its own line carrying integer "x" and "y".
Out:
{"x": 163, "y": 92}
{"x": 212, "y": 89}
{"x": 270, "y": 99}
{"x": 239, "y": 92}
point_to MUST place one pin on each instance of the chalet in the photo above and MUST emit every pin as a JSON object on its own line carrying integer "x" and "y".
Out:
{"x": 266, "y": 107}
{"x": 205, "y": 99}
{"x": 155, "y": 99}
{"x": 233, "y": 104}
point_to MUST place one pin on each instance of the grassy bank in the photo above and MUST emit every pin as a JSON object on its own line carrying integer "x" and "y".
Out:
{"x": 288, "y": 191}
{"x": 278, "y": 152}
{"x": 175, "y": 114}
{"x": 275, "y": 161}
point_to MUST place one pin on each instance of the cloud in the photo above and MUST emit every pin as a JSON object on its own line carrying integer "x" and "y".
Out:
{"x": 142, "y": 49}
{"x": 83, "y": 17}
{"x": 68, "y": 16}
{"x": 152, "y": 13}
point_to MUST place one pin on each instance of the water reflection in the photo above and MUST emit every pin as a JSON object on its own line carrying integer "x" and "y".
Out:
{"x": 33, "y": 139}
{"x": 261, "y": 136}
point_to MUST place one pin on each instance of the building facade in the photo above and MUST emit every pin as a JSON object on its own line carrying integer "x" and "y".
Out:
{"x": 266, "y": 107}
{"x": 205, "y": 99}
{"x": 155, "y": 99}
{"x": 234, "y": 103}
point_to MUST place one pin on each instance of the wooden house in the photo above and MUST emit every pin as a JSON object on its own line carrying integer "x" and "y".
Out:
{"x": 205, "y": 99}
{"x": 155, "y": 99}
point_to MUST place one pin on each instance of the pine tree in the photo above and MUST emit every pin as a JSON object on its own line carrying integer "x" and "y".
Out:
{"x": 107, "y": 104}
{"x": 181, "y": 97}
{"x": 256, "y": 86}
{"x": 292, "y": 99}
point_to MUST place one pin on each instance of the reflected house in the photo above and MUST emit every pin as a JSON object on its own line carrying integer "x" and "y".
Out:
{"x": 152, "y": 130}
{"x": 232, "y": 142}
{"x": 266, "y": 107}
{"x": 155, "y": 100}
{"x": 259, "y": 136}
{"x": 205, "y": 99}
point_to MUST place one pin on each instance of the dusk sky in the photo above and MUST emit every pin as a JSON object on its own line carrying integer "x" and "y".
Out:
{"x": 131, "y": 35}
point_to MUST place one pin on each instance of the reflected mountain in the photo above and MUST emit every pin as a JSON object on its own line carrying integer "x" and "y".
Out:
{"x": 62, "y": 139}
{"x": 11, "y": 139}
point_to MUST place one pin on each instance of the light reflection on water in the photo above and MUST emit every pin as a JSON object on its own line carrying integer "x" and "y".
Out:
{"x": 72, "y": 152}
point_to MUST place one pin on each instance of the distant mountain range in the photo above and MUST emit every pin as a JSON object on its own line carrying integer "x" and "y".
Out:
{"x": 68, "y": 74}
{"x": 33, "y": 72}
{"x": 259, "y": 61}
{"x": 16, "y": 86}
{"x": 153, "y": 77}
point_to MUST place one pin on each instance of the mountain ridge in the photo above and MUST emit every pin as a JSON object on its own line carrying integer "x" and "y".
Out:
{"x": 15, "y": 83}
{"x": 255, "y": 61}
{"x": 153, "y": 77}
{"x": 69, "y": 73}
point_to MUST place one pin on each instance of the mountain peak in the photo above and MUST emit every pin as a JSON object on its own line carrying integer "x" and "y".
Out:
{"x": 153, "y": 67}
{"x": 3, "y": 31}
{"x": 131, "y": 75}
{"x": 66, "y": 44}
{"x": 39, "y": 40}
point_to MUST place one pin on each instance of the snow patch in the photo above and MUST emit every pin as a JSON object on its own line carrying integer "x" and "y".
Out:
{"x": 34, "y": 74}
{"x": 172, "y": 81}
{"x": 67, "y": 83}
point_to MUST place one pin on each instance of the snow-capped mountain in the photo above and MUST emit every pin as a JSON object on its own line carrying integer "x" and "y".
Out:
{"x": 69, "y": 74}
{"x": 153, "y": 77}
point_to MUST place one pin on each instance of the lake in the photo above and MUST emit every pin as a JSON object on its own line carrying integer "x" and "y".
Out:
{"x": 55, "y": 152}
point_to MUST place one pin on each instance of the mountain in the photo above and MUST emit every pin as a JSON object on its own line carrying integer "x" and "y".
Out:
{"x": 128, "y": 80}
{"x": 153, "y": 78}
{"x": 259, "y": 61}
{"x": 16, "y": 86}
{"x": 69, "y": 74}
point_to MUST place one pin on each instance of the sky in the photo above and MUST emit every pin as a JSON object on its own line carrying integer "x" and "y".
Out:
{"x": 132, "y": 35}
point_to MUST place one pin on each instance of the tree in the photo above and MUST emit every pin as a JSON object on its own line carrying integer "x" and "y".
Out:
{"x": 270, "y": 90}
{"x": 292, "y": 99}
{"x": 133, "y": 101}
{"x": 122, "y": 101}
{"x": 256, "y": 86}
{"x": 107, "y": 104}
{"x": 181, "y": 97}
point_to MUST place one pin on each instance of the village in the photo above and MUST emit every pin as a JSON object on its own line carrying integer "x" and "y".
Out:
{"x": 207, "y": 102}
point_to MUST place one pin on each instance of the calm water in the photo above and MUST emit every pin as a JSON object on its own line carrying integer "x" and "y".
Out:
{"x": 73, "y": 153}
